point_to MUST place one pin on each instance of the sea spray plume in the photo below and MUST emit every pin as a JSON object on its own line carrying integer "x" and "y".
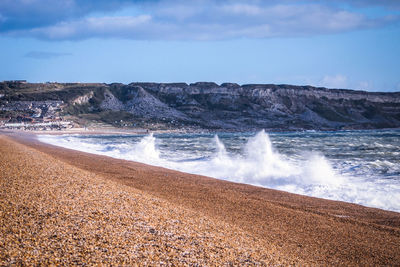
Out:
{"x": 318, "y": 170}
{"x": 307, "y": 173}
{"x": 220, "y": 164}
{"x": 318, "y": 178}
{"x": 259, "y": 165}
{"x": 146, "y": 151}
{"x": 260, "y": 146}
{"x": 264, "y": 165}
{"x": 221, "y": 151}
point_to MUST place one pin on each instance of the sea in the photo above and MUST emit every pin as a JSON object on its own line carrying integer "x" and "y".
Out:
{"x": 360, "y": 167}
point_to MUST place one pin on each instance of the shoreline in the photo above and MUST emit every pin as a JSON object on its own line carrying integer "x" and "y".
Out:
{"x": 132, "y": 131}
{"x": 34, "y": 138}
{"x": 174, "y": 167}
{"x": 316, "y": 231}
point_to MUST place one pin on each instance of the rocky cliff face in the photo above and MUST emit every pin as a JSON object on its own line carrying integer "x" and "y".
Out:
{"x": 234, "y": 107}
{"x": 231, "y": 107}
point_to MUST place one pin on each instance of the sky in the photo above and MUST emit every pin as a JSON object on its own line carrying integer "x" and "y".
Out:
{"x": 352, "y": 44}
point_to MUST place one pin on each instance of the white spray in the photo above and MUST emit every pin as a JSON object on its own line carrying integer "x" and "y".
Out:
{"x": 258, "y": 164}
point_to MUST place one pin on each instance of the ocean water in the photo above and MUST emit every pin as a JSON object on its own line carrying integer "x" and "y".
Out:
{"x": 361, "y": 167}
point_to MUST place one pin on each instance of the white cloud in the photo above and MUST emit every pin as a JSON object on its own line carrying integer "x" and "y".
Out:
{"x": 364, "y": 85}
{"x": 242, "y": 9}
{"x": 211, "y": 20}
{"x": 335, "y": 81}
{"x": 94, "y": 27}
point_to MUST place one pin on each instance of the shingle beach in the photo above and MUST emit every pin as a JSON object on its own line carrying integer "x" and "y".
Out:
{"x": 64, "y": 207}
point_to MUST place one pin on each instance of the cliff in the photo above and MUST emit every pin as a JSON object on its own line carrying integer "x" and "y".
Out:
{"x": 210, "y": 106}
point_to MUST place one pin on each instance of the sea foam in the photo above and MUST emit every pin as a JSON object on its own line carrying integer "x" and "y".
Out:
{"x": 258, "y": 163}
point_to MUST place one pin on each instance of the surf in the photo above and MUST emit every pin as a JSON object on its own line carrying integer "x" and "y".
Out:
{"x": 252, "y": 159}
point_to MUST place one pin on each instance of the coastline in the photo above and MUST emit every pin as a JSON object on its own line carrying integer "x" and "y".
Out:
{"x": 139, "y": 131}
{"x": 293, "y": 228}
{"x": 99, "y": 131}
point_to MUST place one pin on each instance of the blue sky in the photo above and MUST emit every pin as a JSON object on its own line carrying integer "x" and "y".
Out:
{"x": 337, "y": 44}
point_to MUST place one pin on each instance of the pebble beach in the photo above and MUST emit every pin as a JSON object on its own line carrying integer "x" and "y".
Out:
{"x": 64, "y": 207}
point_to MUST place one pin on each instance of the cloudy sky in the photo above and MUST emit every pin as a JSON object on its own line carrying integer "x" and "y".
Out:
{"x": 337, "y": 44}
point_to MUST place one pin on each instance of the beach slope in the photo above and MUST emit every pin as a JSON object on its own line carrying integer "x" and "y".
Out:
{"x": 67, "y": 207}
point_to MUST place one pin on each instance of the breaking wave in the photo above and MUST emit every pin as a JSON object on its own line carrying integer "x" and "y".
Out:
{"x": 257, "y": 163}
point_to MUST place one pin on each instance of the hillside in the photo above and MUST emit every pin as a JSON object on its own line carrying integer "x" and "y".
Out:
{"x": 202, "y": 105}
